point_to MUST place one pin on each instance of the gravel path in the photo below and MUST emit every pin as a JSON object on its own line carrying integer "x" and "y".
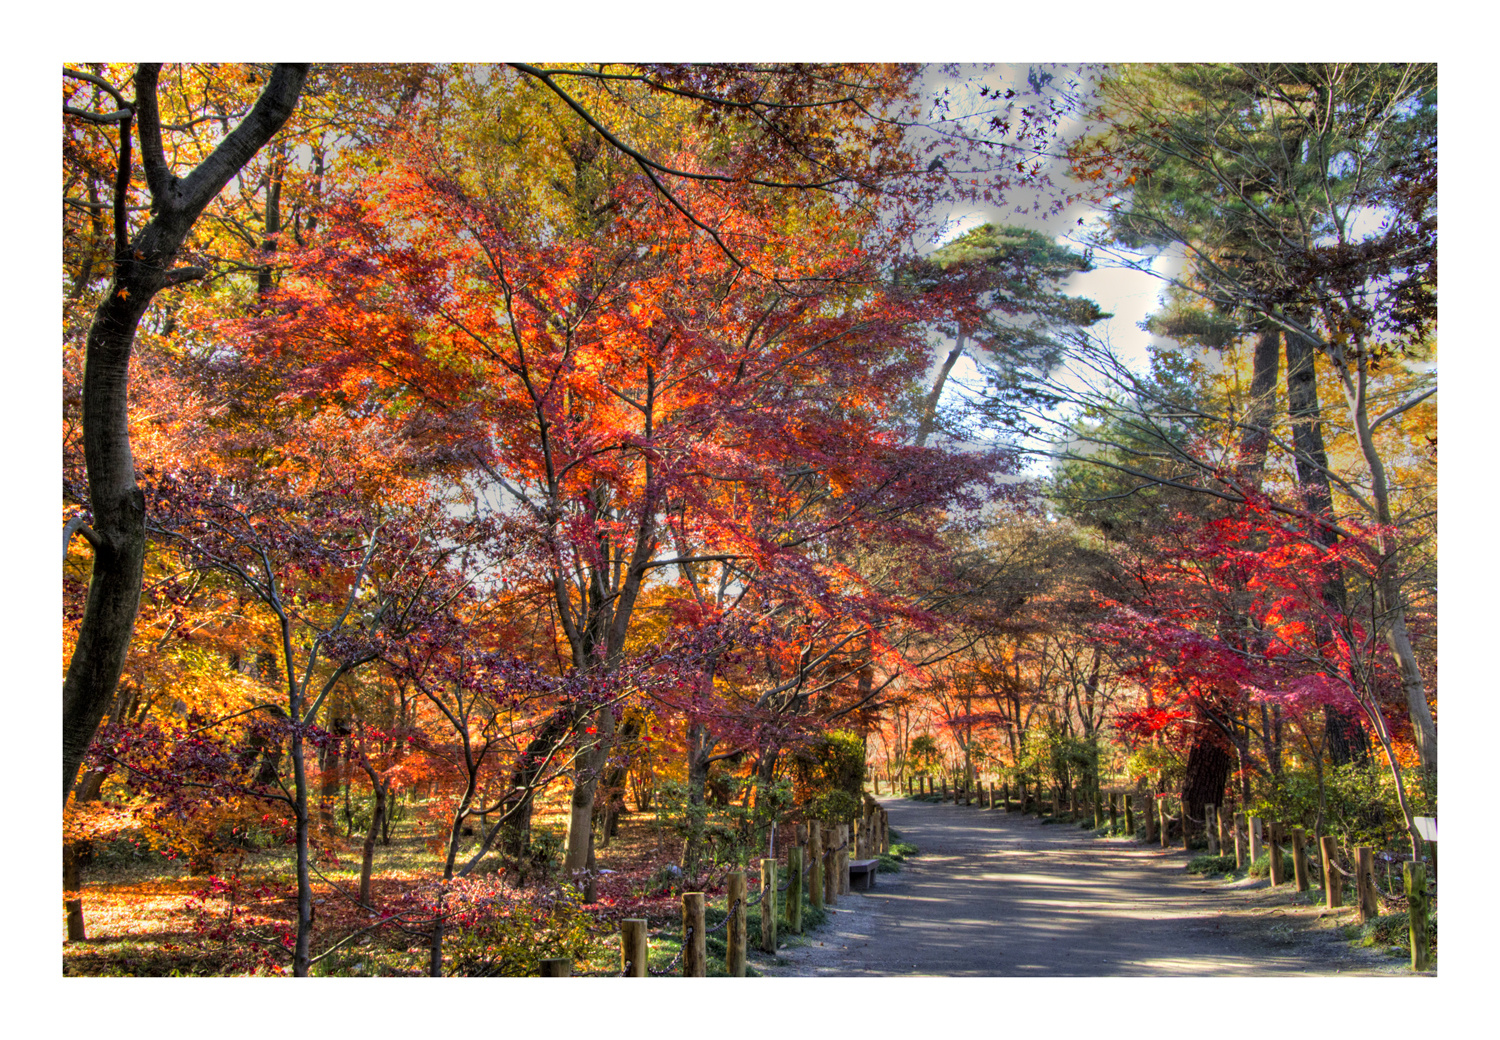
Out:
{"x": 999, "y": 894}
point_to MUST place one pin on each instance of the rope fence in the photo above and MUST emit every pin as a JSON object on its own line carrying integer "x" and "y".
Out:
{"x": 804, "y": 878}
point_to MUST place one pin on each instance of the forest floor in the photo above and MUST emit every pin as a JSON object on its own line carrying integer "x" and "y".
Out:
{"x": 1001, "y": 894}
{"x": 146, "y": 915}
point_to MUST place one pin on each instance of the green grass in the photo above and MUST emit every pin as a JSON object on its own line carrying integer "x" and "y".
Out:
{"x": 1211, "y": 865}
{"x": 890, "y": 862}
{"x": 1392, "y": 932}
{"x": 1262, "y": 867}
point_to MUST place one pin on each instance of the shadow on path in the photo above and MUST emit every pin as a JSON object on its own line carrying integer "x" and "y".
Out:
{"x": 999, "y": 894}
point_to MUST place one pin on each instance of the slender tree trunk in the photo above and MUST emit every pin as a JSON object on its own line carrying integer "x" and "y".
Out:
{"x": 929, "y": 406}
{"x": 366, "y": 867}
{"x": 699, "y": 746}
{"x": 302, "y": 954}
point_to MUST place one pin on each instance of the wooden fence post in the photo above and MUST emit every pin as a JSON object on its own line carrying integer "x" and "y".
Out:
{"x": 830, "y": 866}
{"x": 633, "y": 949}
{"x": 1253, "y": 825}
{"x": 1415, "y": 876}
{"x": 1299, "y": 859}
{"x": 1129, "y": 801}
{"x": 1005, "y": 788}
{"x": 843, "y": 860}
{"x": 734, "y": 940}
{"x": 1333, "y": 882}
{"x": 1239, "y": 841}
{"x": 1072, "y": 801}
{"x": 768, "y": 905}
{"x": 1224, "y": 825}
{"x": 1364, "y": 883}
{"x": 1098, "y": 801}
{"x": 1114, "y": 814}
{"x": 1161, "y": 810}
{"x": 1273, "y": 846}
{"x": 857, "y": 840}
{"x": 1148, "y": 813}
{"x": 557, "y": 967}
{"x": 877, "y": 787}
{"x": 1187, "y": 826}
{"x": 794, "y": 888}
{"x": 1211, "y": 828}
{"x": 694, "y": 938}
{"x": 815, "y": 855}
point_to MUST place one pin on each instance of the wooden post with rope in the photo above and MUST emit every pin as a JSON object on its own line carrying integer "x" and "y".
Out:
{"x": 1364, "y": 883}
{"x": 1299, "y": 859}
{"x": 634, "y": 951}
{"x": 830, "y": 867}
{"x": 794, "y": 888}
{"x": 768, "y": 905}
{"x": 694, "y": 938}
{"x": 843, "y": 860}
{"x": 1415, "y": 878}
{"x": 815, "y": 855}
{"x": 1333, "y": 881}
{"x": 734, "y": 940}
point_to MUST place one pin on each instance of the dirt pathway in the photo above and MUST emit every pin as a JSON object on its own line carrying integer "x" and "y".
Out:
{"x": 999, "y": 894}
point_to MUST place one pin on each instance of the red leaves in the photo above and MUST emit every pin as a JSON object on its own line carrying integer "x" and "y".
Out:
{"x": 1237, "y": 606}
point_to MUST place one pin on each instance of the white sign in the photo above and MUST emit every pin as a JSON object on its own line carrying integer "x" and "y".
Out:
{"x": 1426, "y": 827}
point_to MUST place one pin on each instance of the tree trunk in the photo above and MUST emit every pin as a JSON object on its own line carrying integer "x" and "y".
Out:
{"x": 929, "y": 406}
{"x": 589, "y": 766}
{"x": 72, "y": 889}
{"x": 117, "y": 530}
{"x": 1206, "y": 773}
{"x": 302, "y": 954}
{"x": 1347, "y": 740}
{"x": 366, "y": 866}
{"x": 699, "y": 746}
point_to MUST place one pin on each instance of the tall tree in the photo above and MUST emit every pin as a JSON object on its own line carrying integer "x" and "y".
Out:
{"x": 142, "y": 266}
{"x": 1269, "y": 176}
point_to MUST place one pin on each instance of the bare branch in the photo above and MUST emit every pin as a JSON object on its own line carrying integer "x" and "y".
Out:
{"x": 100, "y": 82}
{"x": 77, "y": 525}
{"x": 103, "y": 119}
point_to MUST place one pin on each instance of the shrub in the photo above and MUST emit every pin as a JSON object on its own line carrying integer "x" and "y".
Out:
{"x": 1211, "y": 865}
{"x": 1262, "y": 867}
{"x": 1393, "y": 931}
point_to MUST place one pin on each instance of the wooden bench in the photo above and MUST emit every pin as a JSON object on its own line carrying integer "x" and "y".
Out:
{"x": 865, "y": 867}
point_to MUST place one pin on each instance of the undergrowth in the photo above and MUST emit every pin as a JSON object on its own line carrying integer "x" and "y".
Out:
{"x": 1392, "y": 932}
{"x": 1211, "y": 865}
